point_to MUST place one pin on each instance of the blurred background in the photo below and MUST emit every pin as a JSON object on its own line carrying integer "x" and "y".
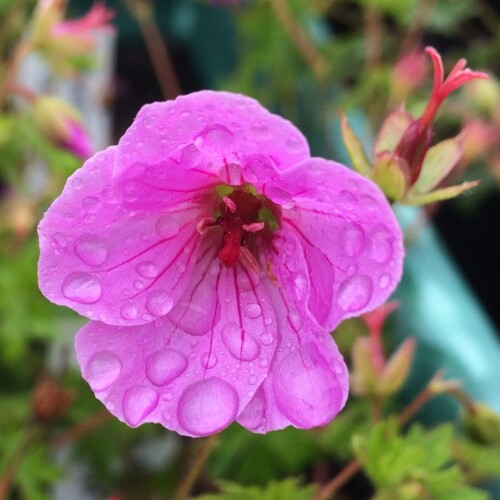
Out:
{"x": 303, "y": 59}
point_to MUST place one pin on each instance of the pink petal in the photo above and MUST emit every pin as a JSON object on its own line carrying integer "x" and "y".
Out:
{"x": 208, "y": 131}
{"x": 194, "y": 370}
{"x": 351, "y": 241}
{"x": 111, "y": 264}
{"x": 308, "y": 379}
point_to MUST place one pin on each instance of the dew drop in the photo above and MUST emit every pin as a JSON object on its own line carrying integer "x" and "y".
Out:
{"x": 380, "y": 244}
{"x": 354, "y": 293}
{"x": 138, "y": 284}
{"x": 353, "y": 239}
{"x": 159, "y": 303}
{"x": 76, "y": 182}
{"x": 167, "y": 396}
{"x": 384, "y": 280}
{"x": 190, "y": 156}
{"x": 164, "y": 366}
{"x": 252, "y": 310}
{"x": 102, "y": 370}
{"x": 167, "y": 227}
{"x": 91, "y": 204}
{"x": 263, "y": 362}
{"x": 294, "y": 144}
{"x": 138, "y": 403}
{"x": 128, "y": 311}
{"x": 347, "y": 200}
{"x": 147, "y": 269}
{"x": 208, "y": 360}
{"x": 207, "y": 406}
{"x": 239, "y": 342}
{"x": 90, "y": 249}
{"x": 252, "y": 380}
{"x": 61, "y": 240}
{"x": 295, "y": 319}
{"x": 266, "y": 339}
{"x": 82, "y": 287}
{"x": 268, "y": 321}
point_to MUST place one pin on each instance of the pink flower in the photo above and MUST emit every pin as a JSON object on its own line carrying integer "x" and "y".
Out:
{"x": 214, "y": 256}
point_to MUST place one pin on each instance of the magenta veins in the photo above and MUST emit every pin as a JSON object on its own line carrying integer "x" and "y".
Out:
{"x": 214, "y": 256}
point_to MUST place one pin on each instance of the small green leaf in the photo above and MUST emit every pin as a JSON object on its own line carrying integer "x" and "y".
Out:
{"x": 438, "y": 195}
{"x": 354, "y": 147}
{"x": 438, "y": 163}
{"x": 392, "y": 175}
{"x": 392, "y": 130}
{"x": 288, "y": 489}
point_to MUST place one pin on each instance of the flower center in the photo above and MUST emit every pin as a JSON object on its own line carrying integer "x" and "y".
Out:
{"x": 242, "y": 215}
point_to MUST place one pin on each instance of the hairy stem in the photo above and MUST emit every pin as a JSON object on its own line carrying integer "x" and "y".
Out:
{"x": 298, "y": 36}
{"x": 196, "y": 467}
{"x": 157, "y": 50}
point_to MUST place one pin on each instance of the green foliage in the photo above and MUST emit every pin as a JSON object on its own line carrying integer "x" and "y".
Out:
{"x": 414, "y": 465}
{"x": 254, "y": 458}
{"x": 289, "y": 489}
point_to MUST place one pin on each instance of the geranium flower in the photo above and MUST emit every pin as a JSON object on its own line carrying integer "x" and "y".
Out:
{"x": 214, "y": 256}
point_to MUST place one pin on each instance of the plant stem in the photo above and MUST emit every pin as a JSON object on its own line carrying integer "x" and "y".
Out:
{"x": 196, "y": 467}
{"x": 20, "y": 53}
{"x": 29, "y": 436}
{"x": 298, "y": 36}
{"x": 83, "y": 428}
{"x": 157, "y": 50}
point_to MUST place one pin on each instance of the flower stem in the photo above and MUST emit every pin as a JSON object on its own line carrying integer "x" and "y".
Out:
{"x": 29, "y": 436}
{"x": 20, "y": 53}
{"x": 157, "y": 50}
{"x": 196, "y": 467}
{"x": 298, "y": 36}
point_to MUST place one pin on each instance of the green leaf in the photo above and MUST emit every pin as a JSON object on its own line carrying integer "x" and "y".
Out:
{"x": 288, "y": 489}
{"x": 479, "y": 461}
{"x": 392, "y": 130}
{"x": 255, "y": 458}
{"x": 438, "y": 195}
{"x": 438, "y": 163}
{"x": 392, "y": 175}
{"x": 354, "y": 148}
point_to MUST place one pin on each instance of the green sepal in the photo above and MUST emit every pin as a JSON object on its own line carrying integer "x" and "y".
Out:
{"x": 354, "y": 148}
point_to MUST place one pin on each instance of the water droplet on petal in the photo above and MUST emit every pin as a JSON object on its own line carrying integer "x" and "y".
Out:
{"x": 252, "y": 310}
{"x": 190, "y": 156}
{"x": 384, "y": 280}
{"x": 263, "y": 362}
{"x": 347, "y": 200}
{"x": 147, "y": 269}
{"x": 215, "y": 138}
{"x": 252, "y": 380}
{"x": 295, "y": 319}
{"x": 353, "y": 239}
{"x": 266, "y": 339}
{"x": 159, "y": 303}
{"x": 239, "y": 342}
{"x": 138, "y": 403}
{"x": 300, "y": 285}
{"x": 165, "y": 365}
{"x": 102, "y": 370}
{"x": 82, "y": 287}
{"x": 354, "y": 293}
{"x": 128, "y": 311}
{"x": 208, "y": 360}
{"x": 207, "y": 406}
{"x": 91, "y": 204}
{"x": 294, "y": 144}
{"x": 90, "y": 249}
{"x": 61, "y": 240}
{"x": 76, "y": 182}
{"x": 167, "y": 227}
{"x": 380, "y": 244}
{"x": 306, "y": 389}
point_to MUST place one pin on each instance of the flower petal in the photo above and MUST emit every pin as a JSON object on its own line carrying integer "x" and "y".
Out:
{"x": 308, "y": 380}
{"x": 194, "y": 370}
{"x": 352, "y": 242}
{"x": 127, "y": 270}
{"x": 207, "y": 132}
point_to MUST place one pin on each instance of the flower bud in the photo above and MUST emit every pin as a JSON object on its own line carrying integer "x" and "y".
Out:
{"x": 49, "y": 401}
{"x": 483, "y": 425}
{"x": 397, "y": 369}
{"x": 62, "y": 125}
